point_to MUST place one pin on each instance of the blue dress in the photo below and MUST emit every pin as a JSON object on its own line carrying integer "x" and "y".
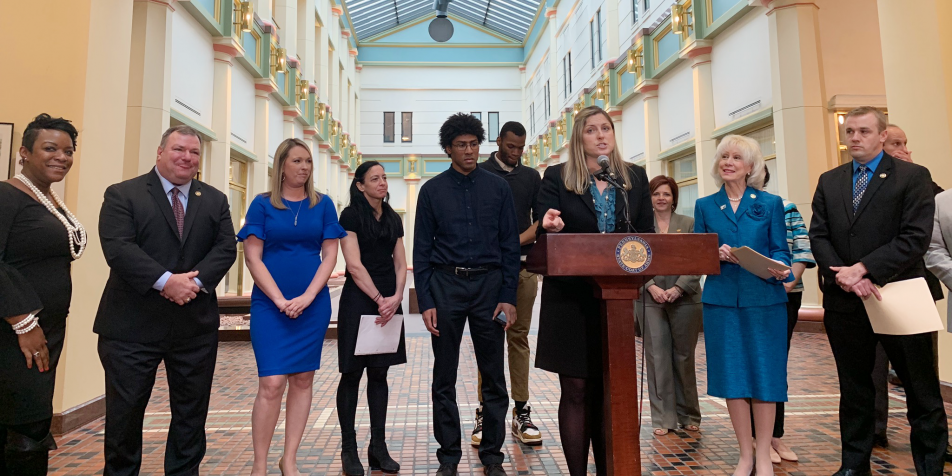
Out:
{"x": 292, "y": 255}
{"x": 745, "y": 316}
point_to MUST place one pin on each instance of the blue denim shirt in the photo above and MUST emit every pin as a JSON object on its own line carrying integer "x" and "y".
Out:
{"x": 605, "y": 206}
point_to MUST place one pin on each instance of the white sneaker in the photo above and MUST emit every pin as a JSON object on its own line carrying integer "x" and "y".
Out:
{"x": 523, "y": 428}
{"x": 477, "y": 437}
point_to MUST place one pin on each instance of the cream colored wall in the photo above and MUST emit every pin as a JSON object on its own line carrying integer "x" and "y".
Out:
{"x": 852, "y": 52}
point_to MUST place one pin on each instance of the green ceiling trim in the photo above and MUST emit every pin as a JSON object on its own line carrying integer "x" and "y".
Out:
{"x": 207, "y": 134}
{"x": 678, "y": 150}
{"x": 752, "y": 121}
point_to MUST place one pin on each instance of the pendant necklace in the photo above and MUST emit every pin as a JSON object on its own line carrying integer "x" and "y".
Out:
{"x": 298, "y": 210}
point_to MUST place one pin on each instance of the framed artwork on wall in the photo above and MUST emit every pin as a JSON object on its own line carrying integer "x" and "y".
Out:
{"x": 7, "y": 164}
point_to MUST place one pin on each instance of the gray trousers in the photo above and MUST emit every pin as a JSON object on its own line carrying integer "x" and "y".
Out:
{"x": 670, "y": 339}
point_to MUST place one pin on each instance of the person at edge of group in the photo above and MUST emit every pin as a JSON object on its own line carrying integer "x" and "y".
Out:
{"x": 168, "y": 240}
{"x": 524, "y": 182}
{"x": 798, "y": 240}
{"x": 872, "y": 222}
{"x": 290, "y": 236}
{"x": 896, "y": 146}
{"x": 669, "y": 316}
{"x": 745, "y": 316}
{"x": 375, "y": 278}
{"x": 39, "y": 239}
{"x": 939, "y": 258}
{"x": 573, "y": 200}
{"x": 466, "y": 268}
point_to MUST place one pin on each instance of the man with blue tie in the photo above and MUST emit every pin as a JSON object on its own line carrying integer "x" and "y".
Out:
{"x": 872, "y": 222}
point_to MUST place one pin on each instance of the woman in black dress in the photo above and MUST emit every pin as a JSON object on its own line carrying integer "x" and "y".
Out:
{"x": 570, "y": 335}
{"x": 376, "y": 275}
{"x": 39, "y": 238}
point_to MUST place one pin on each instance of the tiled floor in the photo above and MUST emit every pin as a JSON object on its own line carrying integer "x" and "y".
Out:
{"x": 811, "y": 423}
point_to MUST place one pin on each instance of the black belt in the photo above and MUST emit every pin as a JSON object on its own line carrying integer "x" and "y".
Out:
{"x": 464, "y": 271}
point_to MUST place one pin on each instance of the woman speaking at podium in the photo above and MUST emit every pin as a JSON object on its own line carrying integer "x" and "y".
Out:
{"x": 579, "y": 198}
{"x": 745, "y": 316}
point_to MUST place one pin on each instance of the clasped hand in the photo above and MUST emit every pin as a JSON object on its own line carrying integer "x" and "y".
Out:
{"x": 181, "y": 288}
{"x": 662, "y": 296}
{"x": 851, "y": 279}
{"x": 295, "y": 307}
{"x": 387, "y": 307}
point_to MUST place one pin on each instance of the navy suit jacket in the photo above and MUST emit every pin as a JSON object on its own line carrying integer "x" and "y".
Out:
{"x": 759, "y": 225}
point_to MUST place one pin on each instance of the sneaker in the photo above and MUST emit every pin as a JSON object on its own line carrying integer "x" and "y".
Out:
{"x": 523, "y": 428}
{"x": 494, "y": 470}
{"x": 477, "y": 437}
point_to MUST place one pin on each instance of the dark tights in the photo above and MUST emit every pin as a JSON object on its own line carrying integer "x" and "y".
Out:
{"x": 36, "y": 431}
{"x": 580, "y": 423}
{"x": 377, "y": 394}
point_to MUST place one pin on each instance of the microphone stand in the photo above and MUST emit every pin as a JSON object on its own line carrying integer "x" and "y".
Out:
{"x": 607, "y": 176}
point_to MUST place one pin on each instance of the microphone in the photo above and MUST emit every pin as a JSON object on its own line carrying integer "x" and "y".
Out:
{"x": 603, "y": 162}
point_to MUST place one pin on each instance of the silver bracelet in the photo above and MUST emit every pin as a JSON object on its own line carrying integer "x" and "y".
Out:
{"x": 25, "y": 322}
{"x": 28, "y": 328}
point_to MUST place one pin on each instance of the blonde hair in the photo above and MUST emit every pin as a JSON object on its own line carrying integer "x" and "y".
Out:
{"x": 277, "y": 176}
{"x": 575, "y": 175}
{"x": 750, "y": 151}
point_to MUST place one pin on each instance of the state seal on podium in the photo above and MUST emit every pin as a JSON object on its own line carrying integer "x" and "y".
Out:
{"x": 633, "y": 254}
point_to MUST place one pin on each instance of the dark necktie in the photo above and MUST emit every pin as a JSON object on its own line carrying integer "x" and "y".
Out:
{"x": 178, "y": 210}
{"x": 860, "y": 186}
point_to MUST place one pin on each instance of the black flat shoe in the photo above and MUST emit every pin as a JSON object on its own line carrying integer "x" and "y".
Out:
{"x": 853, "y": 472}
{"x": 447, "y": 469}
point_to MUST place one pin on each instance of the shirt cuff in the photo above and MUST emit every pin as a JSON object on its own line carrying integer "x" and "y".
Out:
{"x": 198, "y": 282}
{"x": 160, "y": 283}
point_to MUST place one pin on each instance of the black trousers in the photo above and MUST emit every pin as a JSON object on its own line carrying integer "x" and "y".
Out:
{"x": 854, "y": 348}
{"x": 794, "y": 301}
{"x": 880, "y": 381}
{"x": 457, "y": 300}
{"x": 130, "y": 375}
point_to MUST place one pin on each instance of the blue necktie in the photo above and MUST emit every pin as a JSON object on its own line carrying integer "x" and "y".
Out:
{"x": 860, "y": 186}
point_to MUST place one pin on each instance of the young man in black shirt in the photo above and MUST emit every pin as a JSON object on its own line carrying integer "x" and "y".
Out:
{"x": 525, "y": 183}
{"x": 466, "y": 267}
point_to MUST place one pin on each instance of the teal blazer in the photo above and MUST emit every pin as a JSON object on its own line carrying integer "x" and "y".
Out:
{"x": 758, "y": 224}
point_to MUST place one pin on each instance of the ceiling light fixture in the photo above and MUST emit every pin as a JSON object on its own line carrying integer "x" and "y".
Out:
{"x": 441, "y": 28}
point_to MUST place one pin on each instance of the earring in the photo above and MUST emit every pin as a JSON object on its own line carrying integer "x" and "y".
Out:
{"x": 282, "y": 177}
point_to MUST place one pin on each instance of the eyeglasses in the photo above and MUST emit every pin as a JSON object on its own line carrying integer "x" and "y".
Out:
{"x": 464, "y": 146}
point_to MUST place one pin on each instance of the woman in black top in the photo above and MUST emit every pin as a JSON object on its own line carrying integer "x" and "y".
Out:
{"x": 376, "y": 275}
{"x": 572, "y": 200}
{"x": 39, "y": 238}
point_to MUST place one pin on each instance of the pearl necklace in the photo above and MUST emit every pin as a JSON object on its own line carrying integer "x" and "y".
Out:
{"x": 735, "y": 199}
{"x": 75, "y": 230}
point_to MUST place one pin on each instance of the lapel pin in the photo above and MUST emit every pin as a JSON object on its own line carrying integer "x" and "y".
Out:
{"x": 882, "y": 175}
{"x": 723, "y": 207}
{"x": 198, "y": 194}
{"x": 753, "y": 196}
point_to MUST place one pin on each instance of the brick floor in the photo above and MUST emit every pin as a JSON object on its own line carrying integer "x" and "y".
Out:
{"x": 812, "y": 429}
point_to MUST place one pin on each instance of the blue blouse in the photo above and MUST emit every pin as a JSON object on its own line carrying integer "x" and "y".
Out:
{"x": 604, "y": 206}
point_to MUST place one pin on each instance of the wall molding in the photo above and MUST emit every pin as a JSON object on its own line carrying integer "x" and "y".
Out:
{"x": 78, "y": 416}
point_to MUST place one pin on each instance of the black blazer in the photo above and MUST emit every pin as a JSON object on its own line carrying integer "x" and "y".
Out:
{"x": 140, "y": 242}
{"x": 889, "y": 233}
{"x": 578, "y": 211}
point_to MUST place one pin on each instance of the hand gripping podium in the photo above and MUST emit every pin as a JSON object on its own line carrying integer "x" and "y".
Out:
{"x": 618, "y": 265}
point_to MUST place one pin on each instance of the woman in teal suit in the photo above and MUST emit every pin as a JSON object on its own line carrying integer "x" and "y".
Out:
{"x": 745, "y": 316}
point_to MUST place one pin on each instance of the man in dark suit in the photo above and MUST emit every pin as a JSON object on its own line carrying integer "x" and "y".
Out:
{"x": 872, "y": 221}
{"x": 168, "y": 240}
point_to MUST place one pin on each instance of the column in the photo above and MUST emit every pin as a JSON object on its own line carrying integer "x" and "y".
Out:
{"x": 324, "y": 159}
{"x": 321, "y": 62}
{"x": 800, "y": 111}
{"x": 649, "y": 92}
{"x": 219, "y": 162}
{"x": 286, "y": 15}
{"x": 102, "y": 112}
{"x": 334, "y": 96}
{"x": 150, "y": 84}
{"x": 699, "y": 53}
{"x": 290, "y": 112}
{"x": 523, "y": 108}
{"x": 611, "y": 26}
{"x": 259, "y": 170}
{"x": 551, "y": 15}
{"x": 412, "y": 180}
{"x": 919, "y": 99}
{"x": 305, "y": 40}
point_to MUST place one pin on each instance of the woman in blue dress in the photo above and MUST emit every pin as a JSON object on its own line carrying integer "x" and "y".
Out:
{"x": 286, "y": 234}
{"x": 745, "y": 316}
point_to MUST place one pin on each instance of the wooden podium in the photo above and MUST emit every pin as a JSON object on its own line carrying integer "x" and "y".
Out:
{"x": 618, "y": 265}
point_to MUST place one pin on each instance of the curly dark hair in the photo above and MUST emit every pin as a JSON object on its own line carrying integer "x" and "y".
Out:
{"x": 460, "y": 124}
{"x": 45, "y": 122}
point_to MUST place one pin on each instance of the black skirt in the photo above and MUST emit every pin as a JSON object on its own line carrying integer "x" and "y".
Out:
{"x": 27, "y": 395}
{"x": 570, "y": 332}
{"x": 353, "y": 304}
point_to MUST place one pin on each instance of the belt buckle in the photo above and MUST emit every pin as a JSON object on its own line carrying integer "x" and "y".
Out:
{"x": 457, "y": 270}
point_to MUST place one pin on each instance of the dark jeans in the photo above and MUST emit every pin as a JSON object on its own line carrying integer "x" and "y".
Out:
{"x": 457, "y": 300}
{"x": 794, "y": 300}
{"x": 854, "y": 349}
{"x": 130, "y": 375}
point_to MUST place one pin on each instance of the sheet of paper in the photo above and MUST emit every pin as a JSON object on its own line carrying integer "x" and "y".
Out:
{"x": 375, "y": 339}
{"x": 757, "y": 263}
{"x": 907, "y": 308}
